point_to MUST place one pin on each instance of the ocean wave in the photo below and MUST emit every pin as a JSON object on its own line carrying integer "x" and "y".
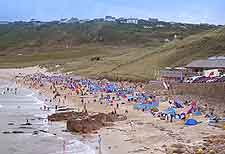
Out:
{"x": 35, "y": 98}
{"x": 41, "y": 116}
{"x": 31, "y": 94}
{"x": 76, "y": 146}
{"x": 1, "y": 106}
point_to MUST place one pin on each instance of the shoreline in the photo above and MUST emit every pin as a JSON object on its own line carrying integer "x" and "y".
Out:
{"x": 73, "y": 141}
{"x": 121, "y": 138}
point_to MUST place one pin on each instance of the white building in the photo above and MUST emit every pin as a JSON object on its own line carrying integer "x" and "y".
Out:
{"x": 160, "y": 26}
{"x": 132, "y": 21}
{"x": 84, "y": 21}
{"x": 153, "y": 20}
{"x": 110, "y": 19}
{"x": 4, "y": 22}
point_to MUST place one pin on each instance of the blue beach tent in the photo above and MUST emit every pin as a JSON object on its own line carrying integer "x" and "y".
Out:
{"x": 191, "y": 122}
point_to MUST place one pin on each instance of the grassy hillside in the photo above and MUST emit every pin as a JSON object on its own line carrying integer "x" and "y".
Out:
{"x": 113, "y": 50}
{"x": 177, "y": 53}
{"x": 52, "y": 35}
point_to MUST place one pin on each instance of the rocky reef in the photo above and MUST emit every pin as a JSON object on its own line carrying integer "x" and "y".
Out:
{"x": 82, "y": 122}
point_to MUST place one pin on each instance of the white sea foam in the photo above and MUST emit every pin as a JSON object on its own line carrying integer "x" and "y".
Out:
{"x": 38, "y": 101}
{"x": 1, "y": 106}
{"x": 42, "y": 116}
{"x": 76, "y": 147}
{"x": 29, "y": 95}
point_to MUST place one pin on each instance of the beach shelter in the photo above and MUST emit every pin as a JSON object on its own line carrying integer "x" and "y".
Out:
{"x": 130, "y": 98}
{"x": 178, "y": 104}
{"x": 191, "y": 122}
{"x": 154, "y": 109}
{"x": 182, "y": 115}
{"x": 197, "y": 113}
{"x": 111, "y": 88}
{"x": 171, "y": 111}
{"x": 193, "y": 107}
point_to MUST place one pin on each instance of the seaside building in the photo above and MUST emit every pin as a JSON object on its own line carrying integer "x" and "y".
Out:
{"x": 173, "y": 74}
{"x": 200, "y": 67}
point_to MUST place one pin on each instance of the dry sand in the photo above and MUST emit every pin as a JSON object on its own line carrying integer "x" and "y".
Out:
{"x": 148, "y": 135}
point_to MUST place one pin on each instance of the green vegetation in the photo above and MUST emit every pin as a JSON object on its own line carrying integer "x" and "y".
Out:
{"x": 117, "y": 51}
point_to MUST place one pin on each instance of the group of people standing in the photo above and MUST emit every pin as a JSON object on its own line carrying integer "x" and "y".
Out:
{"x": 10, "y": 91}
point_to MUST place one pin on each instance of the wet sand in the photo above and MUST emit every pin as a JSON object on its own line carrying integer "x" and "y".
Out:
{"x": 25, "y": 105}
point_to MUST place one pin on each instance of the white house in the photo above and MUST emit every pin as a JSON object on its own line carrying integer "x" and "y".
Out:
{"x": 132, "y": 21}
{"x": 4, "y": 22}
{"x": 110, "y": 18}
{"x": 153, "y": 20}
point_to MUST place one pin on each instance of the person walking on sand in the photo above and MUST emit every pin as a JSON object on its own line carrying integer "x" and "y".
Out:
{"x": 132, "y": 126}
{"x": 100, "y": 143}
{"x": 117, "y": 105}
{"x": 85, "y": 108}
{"x": 15, "y": 91}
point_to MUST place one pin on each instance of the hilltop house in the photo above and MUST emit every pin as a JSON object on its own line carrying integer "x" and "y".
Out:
{"x": 153, "y": 20}
{"x": 4, "y": 22}
{"x": 35, "y": 22}
{"x": 110, "y": 19}
{"x": 122, "y": 20}
{"x": 132, "y": 21}
{"x": 69, "y": 20}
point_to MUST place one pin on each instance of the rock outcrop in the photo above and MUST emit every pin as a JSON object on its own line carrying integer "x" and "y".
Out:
{"x": 82, "y": 122}
{"x": 62, "y": 116}
{"x": 93, "y": 122}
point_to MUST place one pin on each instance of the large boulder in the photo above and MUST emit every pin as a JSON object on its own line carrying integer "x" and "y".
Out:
{"x": 87, "y": 125}
{"x": 92, "y": 122}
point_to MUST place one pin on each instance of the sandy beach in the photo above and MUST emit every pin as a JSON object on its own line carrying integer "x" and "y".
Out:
{"x": 148, "y": 134}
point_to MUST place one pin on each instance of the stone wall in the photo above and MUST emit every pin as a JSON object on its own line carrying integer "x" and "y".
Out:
{"x": 214, "y": 90}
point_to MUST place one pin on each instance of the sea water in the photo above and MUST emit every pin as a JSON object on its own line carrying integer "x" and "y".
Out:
{"x": 15, "y": 110}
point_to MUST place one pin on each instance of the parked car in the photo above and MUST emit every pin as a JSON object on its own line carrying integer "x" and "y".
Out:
{"x": 221, "y": 79}
{"x": 201, "y": 79}
{"x": 191, "y": 79}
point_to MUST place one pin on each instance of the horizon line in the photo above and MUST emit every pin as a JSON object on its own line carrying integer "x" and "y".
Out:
{"x": 117, "y": 17}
